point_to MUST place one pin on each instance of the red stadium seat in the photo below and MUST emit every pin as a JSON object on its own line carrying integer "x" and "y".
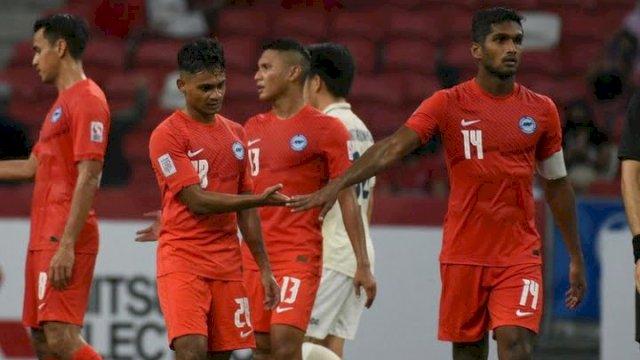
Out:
{"x": 585, "y": 27}
{"x": 561, "y": 91}
{"x": 25, "y": 82}
{"x": 364, "y": 52}
{"x": 107, "y": 53}
{"x": 241, "y": 109}
{"x": 240, "y": 52}
{"x": 407, "y": 4}
{"x": 412, "y": 55}
{"x": 381, "y": 89}
{"x": 309, "y": 24}
{"x": 241, "y": 85}
{"x": 459, "y": 55}
{"x": 541, "y": 61}
{"x": 243, "y": 21}
{"x": 514, "y": 4}
{"x": 419, "y": 25}
{"x": 418, "y": 87}
{"x": 579, "y": 57}
{"x": 369, "y": 24}
{"x": 158, "y": 54}
{"x": 604, "y": 188}
{"x": 381, "y": 119}
{"x": 22, "y": 54}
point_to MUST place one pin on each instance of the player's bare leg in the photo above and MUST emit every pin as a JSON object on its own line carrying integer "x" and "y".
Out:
{"x": 478, "y": 350}
{"x": 263, "y": 347}
{"x": 226, "y": 355}
{"x": 64, "y": 340}
{"x": 334, "y": 343}
{"x": 39, "y": 342}
{"x": 514, "y": 342}
{"x": 286, "y": 342}
{"x": 191, "y": 347}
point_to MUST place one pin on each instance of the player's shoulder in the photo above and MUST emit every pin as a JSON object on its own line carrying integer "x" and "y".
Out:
{"x": 233, "y": 126}
{"x": 258, "y": 118}
{"x": 170, "y": 126}
{"x": 86, "y": 93}
{"x": 533, "y": 97}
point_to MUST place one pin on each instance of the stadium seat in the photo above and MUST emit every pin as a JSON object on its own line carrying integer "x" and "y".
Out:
{"x": 369, "y": 24}
{"x": 364, "y": 52}
{"x": 585, "y": 27}
{"x": 406, "y": 4}
{"x": 25, "y": 83}
{"x": 418, "y": 25}
{"x": 240, "y": 52}
{"x": 22, "y": 54}
{"x": 158, "y": 54}
{"x": 541, "y": 61}
{"x": 418, "y": 87}
{"x": 412, "y": 55}
{"x": 241, "y": 109}
{"x": 381, "y": 89}
{"x": 561, "y": 90}
{"x": 243, "y": 21}
{"x": 307, "y": 24}
{"x": 381, "y": 119}
{"x": 514, "y": 4}
{"x": 241, "y": 85}
{"x": 578, "y": 57}
{"x": 459, "y": 55}
{"x": 609, "y": 188}
{"x": 106, "y": 53}
{"x": 136, "y": 145}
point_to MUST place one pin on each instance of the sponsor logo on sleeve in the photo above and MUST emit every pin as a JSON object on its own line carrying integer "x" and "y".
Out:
{"x": 166, "y": 165}
{"x": 97, "y": 131}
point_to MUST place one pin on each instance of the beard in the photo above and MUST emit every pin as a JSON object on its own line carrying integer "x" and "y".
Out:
{"x": 501, "y": 74}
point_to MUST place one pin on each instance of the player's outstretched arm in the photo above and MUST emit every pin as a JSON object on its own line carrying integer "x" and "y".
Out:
{"x": 352, "y": 219}
{"x": 249, "y": 224}
{"x": 88, "y": 181}
{"x": 206, "y": 202}
{"x": 562, "y": 201}
{"x": 374, "y": 160}
{"x": 630, "y": 184}
{"x": 19, "y": 170}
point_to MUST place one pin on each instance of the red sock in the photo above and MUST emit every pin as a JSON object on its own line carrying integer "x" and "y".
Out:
{"x": 86, "y": 353}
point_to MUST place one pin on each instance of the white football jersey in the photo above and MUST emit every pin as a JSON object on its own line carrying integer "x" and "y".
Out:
{"x": 337, "y": 250}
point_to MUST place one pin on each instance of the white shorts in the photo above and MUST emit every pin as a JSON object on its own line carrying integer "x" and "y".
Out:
{"x": 337, "y": 309}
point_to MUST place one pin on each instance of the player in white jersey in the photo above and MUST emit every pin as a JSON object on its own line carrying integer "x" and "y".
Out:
{"x": 337, "y": 309}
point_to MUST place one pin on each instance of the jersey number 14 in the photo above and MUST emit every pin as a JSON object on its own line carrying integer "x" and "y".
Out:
{"x": 472, "y": 139}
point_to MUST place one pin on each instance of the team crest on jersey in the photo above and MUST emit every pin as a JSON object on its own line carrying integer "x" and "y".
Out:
{"x": 238, "y": 150}
{"x": 527, "y": 125}
{"x": 57, "y": 113}
{"x": 298, "y": 142}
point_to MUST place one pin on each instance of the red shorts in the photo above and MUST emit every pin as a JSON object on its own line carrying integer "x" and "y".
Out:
{"x": 476, "y": 299}
{"x": 44, "y": 303}
{"x": 217, "y": 309}
{"x": 297, "y": 293}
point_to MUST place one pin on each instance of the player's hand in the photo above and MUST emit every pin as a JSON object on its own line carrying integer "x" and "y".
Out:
{"x": 637, "y": 276}
{"x": 271, "y": 291}
{"x": 152, "y": 232}
{"x": 272, "y": 197}
{"x": 324, "y": 198}
{"x": 577, "y": 284}
{"x": 61, "y": 267}
{"x": 364, "y": 278}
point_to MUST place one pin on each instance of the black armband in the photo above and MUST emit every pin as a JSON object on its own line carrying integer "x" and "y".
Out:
{"x": 636, "y": 248}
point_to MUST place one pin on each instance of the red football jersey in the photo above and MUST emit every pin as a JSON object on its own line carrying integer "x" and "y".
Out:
{"x": 75, "y": 129}
{"x": 302, "y": 153}
{"x": 185, "y": 152}
{"x": 492, "y": 145}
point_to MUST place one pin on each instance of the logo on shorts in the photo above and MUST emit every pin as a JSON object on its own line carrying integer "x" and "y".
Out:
{"x": 238, "y": 150}
{"x": 527, "y": 125}
{"x": 298, "y": 142}
{"x": 57, "y": 113}
{"x": 314, "y": 321}
{"x": 520, "y": 313}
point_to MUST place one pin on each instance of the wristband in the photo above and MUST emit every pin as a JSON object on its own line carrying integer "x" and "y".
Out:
{"x": 636, "y": 248}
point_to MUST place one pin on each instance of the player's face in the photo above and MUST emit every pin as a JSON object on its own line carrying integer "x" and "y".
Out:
{"x": 46, "y": 57}
{"x": 271, "y": 77}
{"x": 501, "y": 50}
{"x": 203, "y": 91}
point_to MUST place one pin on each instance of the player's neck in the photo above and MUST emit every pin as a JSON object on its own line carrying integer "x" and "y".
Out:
{"x": 325, "y": 100}
{"x": 70, "y": 73}
{"x": 199, "y": 116}
{"x": 287, "y": 105}
{"x": 495, "y": 85}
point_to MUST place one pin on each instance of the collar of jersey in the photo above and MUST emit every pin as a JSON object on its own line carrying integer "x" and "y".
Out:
{"x": 335, "y": 106}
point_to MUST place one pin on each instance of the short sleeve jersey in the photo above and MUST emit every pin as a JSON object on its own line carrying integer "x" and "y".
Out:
{"x": 303, "y": 153}
{"x": 338, "y": 252}
{"x": 492, "y": 145}
{"x": 76, "y": 128}
{"x": 630, "y": 141}
{"x": 184, "y": 153}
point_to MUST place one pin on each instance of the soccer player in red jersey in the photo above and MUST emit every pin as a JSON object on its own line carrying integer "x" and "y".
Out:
{"x": 66, "y": 164}
{"x": 300, "y": 147}
{"x": 200, "y": 160}
{"x": 496, "y": 133}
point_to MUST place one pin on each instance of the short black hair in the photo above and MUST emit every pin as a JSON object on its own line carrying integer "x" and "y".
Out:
{"x": 203, "y": 54}
{"x": 335, "y": 66}
{"x": 285, "y": 44}
{"x": 72, "y": 29}
{"x": 484, "y": 19}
